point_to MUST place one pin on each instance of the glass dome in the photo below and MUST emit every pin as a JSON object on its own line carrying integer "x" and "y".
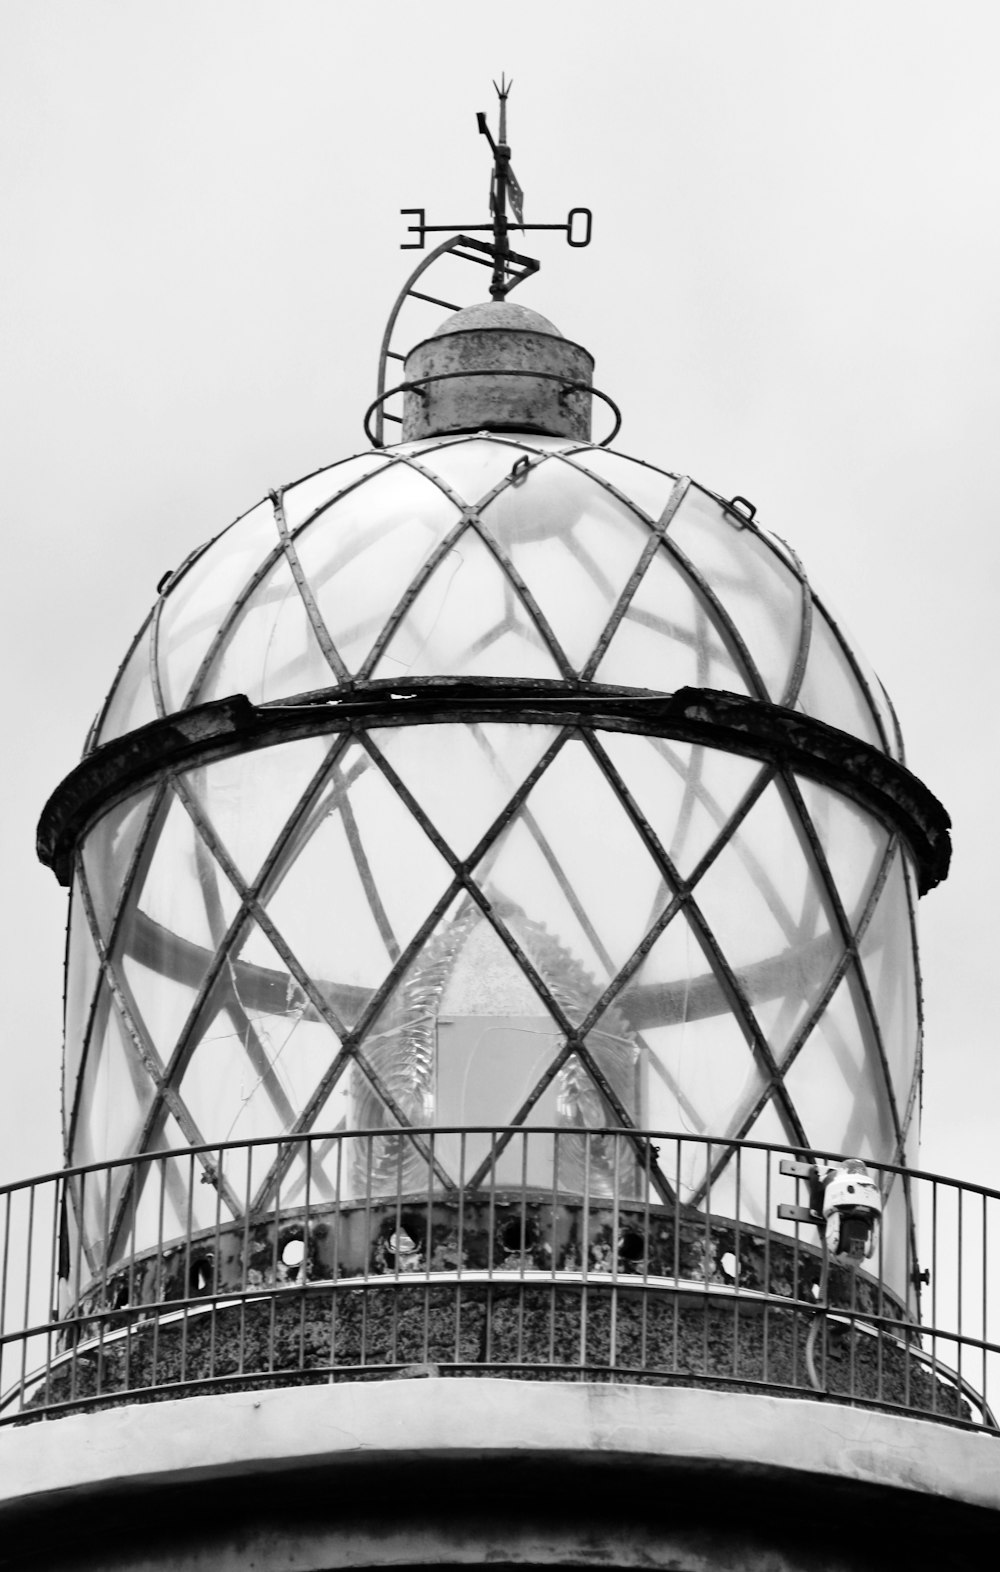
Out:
{"x": 539, "y": 916}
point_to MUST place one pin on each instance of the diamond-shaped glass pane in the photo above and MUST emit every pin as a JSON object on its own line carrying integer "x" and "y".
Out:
{"x": 853, "y": 844}
{"x": 473, "y": 466}
{"x": 467, "y": 620}
{"x": 650, "y": 488}
{"x": 669, "y": 638}
{"x": 887, "y": 958}
{"x": 830, "y": 690}
{"x": 765, "y": 904}
{"x": 249, "y": 797}
{"x": 183, "y": 895}
{"x": 762, "y": 596}
{"x": 108, "y": 852}
{"x": 271, "y": 651}
{"x": 260, "y": 1051}
{"x": 687, "y": 794}
{"x": 82, "y": 970}
{"x": 302, "y": 500}
{"x": 696, "y": 1070}
{"x": 573, "y": 880}
{"x": 354, "y": 883}
{"x": 196, "y": 605}
{"x": 362, "y": 554}
{"x": 463, "y": 776}
{"x": 574, "y": 546}
{"x": 836, "y": 1083}
{"x": 116, "y": 1093}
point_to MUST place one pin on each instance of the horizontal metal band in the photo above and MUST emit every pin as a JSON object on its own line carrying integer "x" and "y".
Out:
{"x": 707, "y": 716}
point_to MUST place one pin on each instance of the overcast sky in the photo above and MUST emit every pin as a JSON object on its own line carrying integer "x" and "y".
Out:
{"x": 792, "y": 293}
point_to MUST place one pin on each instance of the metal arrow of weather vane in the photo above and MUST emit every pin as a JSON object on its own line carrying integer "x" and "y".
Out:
{"x": 504, "y": 189}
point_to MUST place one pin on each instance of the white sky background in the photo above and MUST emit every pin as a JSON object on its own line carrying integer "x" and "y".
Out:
{"x": 792, "y": 293}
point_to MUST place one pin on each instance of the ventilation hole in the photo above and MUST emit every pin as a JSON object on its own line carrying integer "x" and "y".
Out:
{"x": 514, "y": 1234}
{"x": 730, "y": 1265}
{"x": 631, "y": 1245}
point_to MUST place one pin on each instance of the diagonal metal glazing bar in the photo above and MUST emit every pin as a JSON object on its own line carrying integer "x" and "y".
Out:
{"x": 349, "y": 1054}
{"x": 689, "y": 991}
{"x": 658, "y": 527}
{"x": 202, "y": 977}
{"x": 720, "y": 618}
{"x": 573, "y": 1035}
{"x": 407, "y": 599}
{"x": 154, "y": 658}
{"x": 136, "y": 870}
{"x": 852, "y": 660}
{"x": 296, "y": 970}
{"x": 833, "y": 895}
{"x": 253, "y": 1047}
{"x": 639, "y": 1142}
{"x": 257, "y": 577}
{"x": 304, "y": 588}
{"x": 375, "y": 903}
{"x": 798, "y": 671}
{"x": 352, "y": 1040}
{"x": 384, "y": 462}
{"x": 833, "y": 983}
{"x": 876, "y": 782}
{"x": 728, "y": 981}
{"x": 153, "y": 1066}
{"x": 472, "y": 518}
{"x": 848, "y": 958}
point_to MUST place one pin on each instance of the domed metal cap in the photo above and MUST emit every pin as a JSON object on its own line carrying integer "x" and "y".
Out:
{"x": 497, "y": 367}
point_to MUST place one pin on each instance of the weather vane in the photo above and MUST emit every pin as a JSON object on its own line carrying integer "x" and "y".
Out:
{"x": 504, "y": 189}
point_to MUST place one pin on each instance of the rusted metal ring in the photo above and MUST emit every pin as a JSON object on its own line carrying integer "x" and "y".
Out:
{"x": 569, "y": 386}
{"x": 709, "y": 717}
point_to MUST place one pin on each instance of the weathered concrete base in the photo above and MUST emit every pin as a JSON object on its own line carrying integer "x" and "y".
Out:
{"x": 426, "y": 1472}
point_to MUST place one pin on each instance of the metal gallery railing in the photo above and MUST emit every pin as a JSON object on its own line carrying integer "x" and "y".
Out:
{"x": 607, "y": 1255}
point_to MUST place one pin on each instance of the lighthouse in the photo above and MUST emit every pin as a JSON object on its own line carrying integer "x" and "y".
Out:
{"x": 493, "y": 1034}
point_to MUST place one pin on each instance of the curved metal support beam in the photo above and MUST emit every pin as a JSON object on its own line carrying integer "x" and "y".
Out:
{"x": 716, "y": 719}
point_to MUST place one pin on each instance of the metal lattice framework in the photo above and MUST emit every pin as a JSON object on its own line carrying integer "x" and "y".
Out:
{"x": 579, "y": 921}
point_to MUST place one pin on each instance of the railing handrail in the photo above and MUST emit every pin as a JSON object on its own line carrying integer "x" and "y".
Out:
{"x": 429, "y": 1132}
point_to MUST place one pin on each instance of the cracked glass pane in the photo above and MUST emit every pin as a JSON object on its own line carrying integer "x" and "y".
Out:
{"x": 249, "y": 797}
